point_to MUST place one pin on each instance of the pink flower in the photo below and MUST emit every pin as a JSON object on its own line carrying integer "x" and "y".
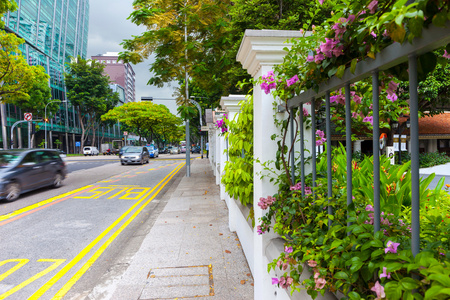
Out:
{"x": 373, "y": 6}
{"x": 339, "y": 30}
{"x": 357, "y": 99}
{"x": 321, "y": 2}
{"x": 264, "y": 203}
{"x": 393, "y": 97}
{"x": 384, "y": 274}
{"x": 305, "y": 112}
{"x": 275, "y": 280}
{"x": 320, "y": 133}
{"x": 293, "y": 80}
{"x": 368, "y": 119}
{"x": 391, "y": 247}
{"x": 279, "y": 263}
{"x": 285, "y": 282}
{"x": 320, "y": 283}
{"x": 318, "y": 58}
{"x": 446, "y": 55}
{"x": 351, "y": 18}
{"x": 312, "y": 263}
{"x": 379, "y": 290}
{"x": 310, "y": 58}
{"x": 369, "y": 207}
{"x": 373, "y": 34}
{"x": 288, "y": 249}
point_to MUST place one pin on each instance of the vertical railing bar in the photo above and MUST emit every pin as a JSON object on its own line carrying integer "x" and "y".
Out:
{"x": 329, "y": 173}
{"x": 302, "y": 150}
{"x": 376, "y": 152}
{"x": 291, "y": 127}
{"x": 313, "y": 142}
{"x": 348, "y": 141}
{"x": 414, "y": 132}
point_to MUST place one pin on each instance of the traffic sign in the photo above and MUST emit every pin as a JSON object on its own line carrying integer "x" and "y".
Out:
{"x": 125, "y": 133}
{"x": 28, "y": 116}
{"x": 204, "y": 128}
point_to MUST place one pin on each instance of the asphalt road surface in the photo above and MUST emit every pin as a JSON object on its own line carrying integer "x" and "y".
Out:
{"x": 57, "y": 243}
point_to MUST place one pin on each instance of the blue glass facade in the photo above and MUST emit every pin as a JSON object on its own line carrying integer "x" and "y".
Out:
{"x": 54, "y": 31}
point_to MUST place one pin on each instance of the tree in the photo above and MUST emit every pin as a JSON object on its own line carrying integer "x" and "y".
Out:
{"x": 144, "y": 117}
{"x": 166, "y": 21}
{"x": 17, "y": 78}
{"x": 263, "y": 14}
{"x": 88, "y": 91}
{"x": 5, "y": 6}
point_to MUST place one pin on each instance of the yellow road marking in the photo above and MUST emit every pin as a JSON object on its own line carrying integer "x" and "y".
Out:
{"x": 42, "y": 203}
{"x": 20, "y": 264}
{"x": 89, "y": 247}
{"x": 63, "y": 291}
{"x": 20, "y": 286}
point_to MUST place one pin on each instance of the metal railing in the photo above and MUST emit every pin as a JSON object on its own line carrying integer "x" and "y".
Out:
{"x": 432, "y": 38}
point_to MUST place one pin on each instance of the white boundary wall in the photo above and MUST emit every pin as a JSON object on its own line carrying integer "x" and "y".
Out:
{"x": 260, "y": 51}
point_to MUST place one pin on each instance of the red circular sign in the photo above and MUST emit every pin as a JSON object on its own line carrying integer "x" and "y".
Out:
{"x": 28, "y": 116}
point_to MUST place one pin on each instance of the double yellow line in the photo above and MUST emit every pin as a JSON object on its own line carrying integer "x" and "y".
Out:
{"x": 63, "y": 291}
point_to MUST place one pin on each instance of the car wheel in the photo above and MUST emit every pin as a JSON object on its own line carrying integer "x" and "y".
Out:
{"x": 122, "y": 163}
{"x": 57, "y": 181}
{"x": 12, "y": 191}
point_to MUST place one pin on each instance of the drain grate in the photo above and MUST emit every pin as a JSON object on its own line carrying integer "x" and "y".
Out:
{"x": 179, "y": 282}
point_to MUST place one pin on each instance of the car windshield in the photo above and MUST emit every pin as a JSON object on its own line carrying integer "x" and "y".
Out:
{"x": 9, "y": 158}
{"x": 150, "y": 148}
{"x": 133, "y": 150}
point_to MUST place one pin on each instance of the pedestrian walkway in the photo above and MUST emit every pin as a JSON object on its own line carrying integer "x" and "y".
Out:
{"x": 189, "y": 253}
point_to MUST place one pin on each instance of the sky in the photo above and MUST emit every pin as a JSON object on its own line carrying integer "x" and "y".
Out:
{"x": 108, "y": 27}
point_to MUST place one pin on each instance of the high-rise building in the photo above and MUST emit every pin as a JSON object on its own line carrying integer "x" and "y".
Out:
{"x": 119, "y": 72}
{"x": 53, "y": 30}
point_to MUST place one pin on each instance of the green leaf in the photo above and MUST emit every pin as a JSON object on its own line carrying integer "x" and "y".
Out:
{"x": 353, "y": 65}
{"x": 340, "y": 71}
{"x": 440, "y": 19}
{"x": 409, "y": 283}
{"x": 341, "y": 275}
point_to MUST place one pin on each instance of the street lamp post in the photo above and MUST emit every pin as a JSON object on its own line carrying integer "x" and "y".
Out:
{"x": 45, "y": 119}
{"x": 396, "y": 125}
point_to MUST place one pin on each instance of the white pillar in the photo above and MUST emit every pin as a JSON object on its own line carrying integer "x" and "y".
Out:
{"x": 231, "y": 105}
{"x": 357, "y": 146}
{"x": 260, "y": 50}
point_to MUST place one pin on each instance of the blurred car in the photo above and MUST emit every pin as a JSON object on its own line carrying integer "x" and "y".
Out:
{"x": 122, "y": 150}
{"x": 153, "y": 151}
{"x": 24, "y": 170}
{"x": 183, "y": 149}
{"x": 90, "y": 151}
{"x": 195, "y": 149}
{"x": 174, "y": 150}
{"x": 135, "y": 155}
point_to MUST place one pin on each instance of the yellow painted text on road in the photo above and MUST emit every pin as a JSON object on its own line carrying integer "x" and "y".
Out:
{"x": 113, "y": 191}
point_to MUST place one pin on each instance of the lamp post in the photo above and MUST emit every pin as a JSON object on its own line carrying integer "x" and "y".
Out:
{"x": 45, "y": 118}
{"x": 201, "y": 121}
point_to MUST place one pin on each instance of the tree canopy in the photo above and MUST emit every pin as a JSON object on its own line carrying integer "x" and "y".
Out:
{"x": 89, "y": 92}
{"x": 17, "y": 77}
{"x": 205, "y": 23}
{"x": 144, "y": 118}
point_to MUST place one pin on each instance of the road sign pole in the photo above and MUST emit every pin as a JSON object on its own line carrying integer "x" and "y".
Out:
{"x": 29, "y": 135}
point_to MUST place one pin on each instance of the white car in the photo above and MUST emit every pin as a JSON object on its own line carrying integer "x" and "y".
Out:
{"x": 154, "y": 152}
{"x": 90, "y": 151}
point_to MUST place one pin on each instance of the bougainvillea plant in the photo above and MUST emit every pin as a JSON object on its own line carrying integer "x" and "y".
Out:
{"x": 352, "y": 259}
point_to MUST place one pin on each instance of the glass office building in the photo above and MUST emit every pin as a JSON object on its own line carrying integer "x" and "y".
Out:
{"x": 54, "y": 31}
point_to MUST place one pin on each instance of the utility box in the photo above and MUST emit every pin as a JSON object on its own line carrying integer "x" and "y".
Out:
{"x": 391, "y": 154}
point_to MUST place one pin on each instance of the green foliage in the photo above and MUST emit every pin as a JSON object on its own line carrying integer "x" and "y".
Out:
{"x": 5, "y": 6}
{"x": 201, "y": 55}
{"x": 146, "y": 117}
{"x": 89, "y": 92}
{"x": 351, "y": 258}
{"x": 238, "y": 170}
{"x": 18, "y": 79}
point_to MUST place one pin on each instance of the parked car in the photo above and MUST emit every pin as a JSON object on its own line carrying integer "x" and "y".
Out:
{"x": 90, "y": 151}
{"x": 136, "y": 155}
{"x": 195, "y": 149}
{"x": 122, "y": 150}
{"x": 24, "y": 170}
{"x": 153, "y": 151}
{"x": 174, "y": 150}
{"x": 183, "y": 149}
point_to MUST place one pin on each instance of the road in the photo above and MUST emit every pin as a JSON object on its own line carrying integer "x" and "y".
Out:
{"x": 57, "y": 243}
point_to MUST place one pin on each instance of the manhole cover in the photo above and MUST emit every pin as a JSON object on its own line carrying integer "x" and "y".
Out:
{"x": 179, "y": 282}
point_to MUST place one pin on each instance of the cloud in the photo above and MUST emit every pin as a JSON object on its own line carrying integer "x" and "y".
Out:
{"x": 108, "y": 27}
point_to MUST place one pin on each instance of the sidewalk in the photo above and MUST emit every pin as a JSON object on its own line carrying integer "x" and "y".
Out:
{"x": 189, "y": 252}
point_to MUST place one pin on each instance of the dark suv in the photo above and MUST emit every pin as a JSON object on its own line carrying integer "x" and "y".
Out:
{"x": 23, "y": 170}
